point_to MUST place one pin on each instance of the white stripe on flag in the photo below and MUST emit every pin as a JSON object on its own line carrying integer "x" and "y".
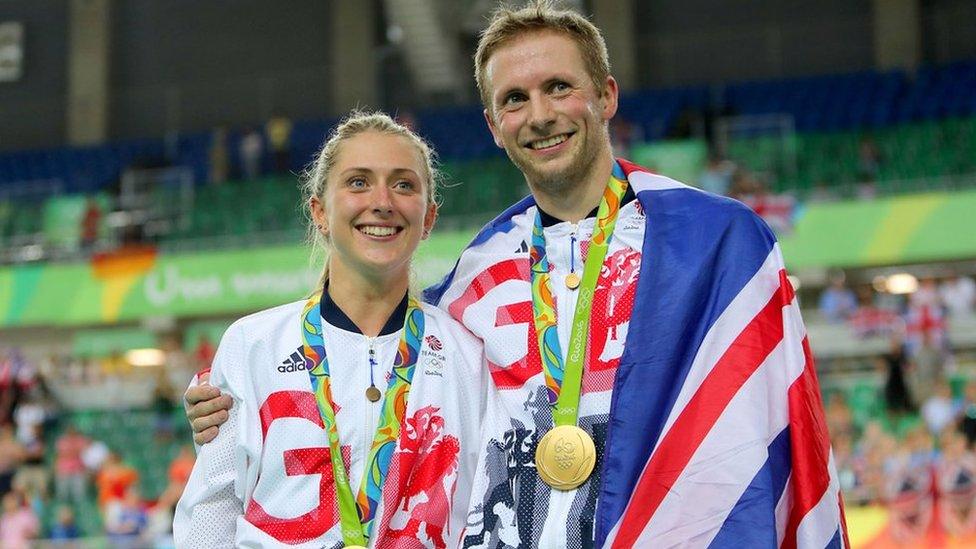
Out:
{"x": 730, "y": 323}
{"x": 783, "y": 510}
{"x": 821, "y": 523}
{"x": 643, "y": 181}
{"x": 729, "y": 457}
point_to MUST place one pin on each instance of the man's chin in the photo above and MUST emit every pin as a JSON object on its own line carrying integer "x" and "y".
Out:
{"x": 551, "y": 174}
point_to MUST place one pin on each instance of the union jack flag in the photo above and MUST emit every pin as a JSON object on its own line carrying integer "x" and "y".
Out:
{"x": 717, "y": 434}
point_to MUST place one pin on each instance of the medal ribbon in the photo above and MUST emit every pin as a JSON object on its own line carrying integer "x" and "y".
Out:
{"x": 564, "y": 380}
{"x": 356, "y": 515}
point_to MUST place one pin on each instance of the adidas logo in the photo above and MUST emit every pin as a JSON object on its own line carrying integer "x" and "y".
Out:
{"x": 294, "y": 363}
{"x": 523, "y": 248}
{"x": 434, "y": 343}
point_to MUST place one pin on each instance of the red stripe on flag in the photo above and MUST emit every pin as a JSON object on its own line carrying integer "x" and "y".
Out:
{"x": 736, "y": 365}
{"x": 810, "y": 447}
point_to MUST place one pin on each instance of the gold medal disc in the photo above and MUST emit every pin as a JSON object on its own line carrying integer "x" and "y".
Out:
{"x": 572, "y": 281}
{"x": 373, "y": 394}
{"x": 565, "y": 457}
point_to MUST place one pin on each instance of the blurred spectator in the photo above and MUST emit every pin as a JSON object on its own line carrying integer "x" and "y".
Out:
{"x": 252, "y": 153}
{"x": 203, "y": 355}
{"x": 18, "y": 524}
{"x": 29, "y": 415}
{"x": 163, "y": 403}
{"x": 218, "y": 156}
{"x": 821, "y": 193}
{"x": 69, "y": 469}
{"x": 958, "y": 294}
{"x": 939, "y": 410}
{"x": 775, "y": 209}
{"x": 744, "y": 185}
{"x": 32, "y": 477}
{"x": 898, "y": 399}
{"x": 967, "y": 419}
{"x": 840, "y": 421}
{"x": 90, "y": 222}
{"x": 11, "y": 455}
{"x": 623, "y": 134}
{"x": 94, "y": 456}
{"x": 113, "y": 480}
{"x": 178, "y": 366}
{"x": 869, "y": 320}
{"x": 717, "y": 175}
{"x": 868, "y": 161}
{"x": 125, "y": 519}
{"x": 837, "y": 302}
{"x": 17, "y": 377}
{"x": 956, "y": 476}
{"x": 908, "y": 489}
{"x": 64, "y": 527}
{"x": 160, "y": 526}
{"x": 278, "y": 130}
{"x": 926, "y": 338}
{"x": 115, "y": 365}
{"x": 181, "y": 467}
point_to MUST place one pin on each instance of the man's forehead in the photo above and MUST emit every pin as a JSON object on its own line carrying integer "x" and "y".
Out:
{"x": 534, "y": 54}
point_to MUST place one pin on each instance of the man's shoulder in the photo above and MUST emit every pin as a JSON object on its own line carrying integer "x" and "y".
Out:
{"x": 445, "y": 324}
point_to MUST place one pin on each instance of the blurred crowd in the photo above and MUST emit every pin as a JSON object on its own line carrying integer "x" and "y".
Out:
{"x": 50, "y": 471}
{"x": 917, "y": 455}
{"x": 922, "y": 467}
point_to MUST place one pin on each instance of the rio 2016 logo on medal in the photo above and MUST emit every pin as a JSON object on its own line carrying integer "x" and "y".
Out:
{"x": 565, "y": 457}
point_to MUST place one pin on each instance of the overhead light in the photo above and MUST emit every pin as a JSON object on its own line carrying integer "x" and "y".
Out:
{"x": 902, "y": 283}
{"x": 146, "y": 357}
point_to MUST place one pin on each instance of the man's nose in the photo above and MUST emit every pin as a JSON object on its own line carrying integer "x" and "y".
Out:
{"x": 541, "y": 115}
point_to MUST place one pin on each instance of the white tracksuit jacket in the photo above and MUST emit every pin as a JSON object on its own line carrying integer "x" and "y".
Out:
{"x": 266, "y": 480}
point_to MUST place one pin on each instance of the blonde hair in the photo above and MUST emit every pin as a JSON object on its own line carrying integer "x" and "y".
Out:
{"x": 316, "y": 175}
{"x": 540, "y": 15}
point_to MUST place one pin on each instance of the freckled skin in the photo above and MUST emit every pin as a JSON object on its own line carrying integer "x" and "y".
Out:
{"x": 378, "y": 181}
{"x": 540, "y": 88}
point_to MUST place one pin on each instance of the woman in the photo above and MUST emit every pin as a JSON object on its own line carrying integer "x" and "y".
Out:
{"x": 356, "y": 416}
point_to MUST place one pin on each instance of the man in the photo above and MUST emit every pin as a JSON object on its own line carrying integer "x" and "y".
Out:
{"x": 686, "y": 368}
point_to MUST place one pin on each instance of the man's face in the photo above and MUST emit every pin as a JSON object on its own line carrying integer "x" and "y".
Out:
{"x": 545, "y": 110}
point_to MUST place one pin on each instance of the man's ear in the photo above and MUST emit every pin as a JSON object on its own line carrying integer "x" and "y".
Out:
{"x": 610, "y": 98}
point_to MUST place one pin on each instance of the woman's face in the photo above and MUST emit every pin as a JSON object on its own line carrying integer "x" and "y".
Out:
{"x": 375, "y": 209}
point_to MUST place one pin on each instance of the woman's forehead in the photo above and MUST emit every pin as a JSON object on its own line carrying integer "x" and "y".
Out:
{"x": 380, "y": 148}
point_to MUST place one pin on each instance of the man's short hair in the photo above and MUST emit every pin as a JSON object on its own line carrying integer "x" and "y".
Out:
{"x": 540, "y": 15}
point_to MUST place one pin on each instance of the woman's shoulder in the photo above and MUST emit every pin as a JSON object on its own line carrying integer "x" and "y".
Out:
{"x": 268, "y": 321}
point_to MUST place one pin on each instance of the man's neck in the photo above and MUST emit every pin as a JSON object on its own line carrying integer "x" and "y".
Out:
{"x": 368, "y": 303}
{"x": 576, "y": 203}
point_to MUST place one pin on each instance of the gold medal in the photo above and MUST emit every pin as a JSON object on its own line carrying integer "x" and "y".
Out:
{"x": 565, "y": 457}
{"x": 355, "y": 547}
{"x": 572, "y": 281}
{"x": 373, "y": 394}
